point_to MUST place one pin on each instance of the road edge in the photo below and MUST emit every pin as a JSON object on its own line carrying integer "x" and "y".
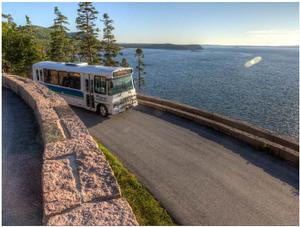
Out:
{"x": 262, "y": 139}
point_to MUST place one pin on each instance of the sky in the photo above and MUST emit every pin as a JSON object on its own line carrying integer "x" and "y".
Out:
{"x": 180, "y": 23}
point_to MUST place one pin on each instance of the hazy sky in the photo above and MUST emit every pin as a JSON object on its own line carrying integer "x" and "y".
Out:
{"x": 184, "y": 23}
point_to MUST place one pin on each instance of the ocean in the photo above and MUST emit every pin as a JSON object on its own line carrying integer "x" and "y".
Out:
{"x": 224, "y": 80}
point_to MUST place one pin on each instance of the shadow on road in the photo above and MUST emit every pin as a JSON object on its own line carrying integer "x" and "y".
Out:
{"x": 22, "y": 152}
{"x": 93, "y": 117}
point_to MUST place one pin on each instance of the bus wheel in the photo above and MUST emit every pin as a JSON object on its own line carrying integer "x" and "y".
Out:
{"x": 103, "y": 110}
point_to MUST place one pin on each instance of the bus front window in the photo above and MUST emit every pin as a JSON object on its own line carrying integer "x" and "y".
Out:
{"x": 118, "y": 85}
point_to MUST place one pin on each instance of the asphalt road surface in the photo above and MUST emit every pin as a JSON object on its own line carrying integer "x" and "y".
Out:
{"x": 22, "y": 152}
{"x": 200, "y": 176}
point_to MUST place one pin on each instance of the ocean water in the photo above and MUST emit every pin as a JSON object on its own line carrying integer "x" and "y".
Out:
{"x": 216, "y": 79}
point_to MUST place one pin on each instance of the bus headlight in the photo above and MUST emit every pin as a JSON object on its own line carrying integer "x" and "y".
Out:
{"x": 116, "y": 104}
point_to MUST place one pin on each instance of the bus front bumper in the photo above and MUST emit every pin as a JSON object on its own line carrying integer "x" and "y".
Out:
{"x": 120, "y": 109}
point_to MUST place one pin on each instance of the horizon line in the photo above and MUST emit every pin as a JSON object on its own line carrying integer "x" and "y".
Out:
{"x": 243, "y": 45}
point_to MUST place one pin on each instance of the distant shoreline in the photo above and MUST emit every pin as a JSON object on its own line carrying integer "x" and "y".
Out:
{"x": 163, "y": 46}
{"x": 191, "y": 47}
{"x": 243, "y": 46}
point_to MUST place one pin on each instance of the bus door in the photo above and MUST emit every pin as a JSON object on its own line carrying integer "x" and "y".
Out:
{"x": 89, "y": 86}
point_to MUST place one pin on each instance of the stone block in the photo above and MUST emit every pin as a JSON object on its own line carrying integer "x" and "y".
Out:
{"x": 60, "y": 148}
{"x": 26, "y": 93}
{"x": 51, "y": 132}
{"x": 46, "y": 113}
{"x": 64, "y": 111}
{"x": 75, "y": 127}
{"x": 59, "y": 187}
{"x": 106, "y": 213}
{"x": 290, "y": 155}
{"x": 96, "y": 177}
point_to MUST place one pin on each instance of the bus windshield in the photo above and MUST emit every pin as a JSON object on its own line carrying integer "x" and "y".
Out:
{"x": 118, "y": 85}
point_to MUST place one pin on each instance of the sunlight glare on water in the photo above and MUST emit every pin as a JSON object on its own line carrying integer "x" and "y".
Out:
{"x": 216, "y": 79}
{"x": 253, "y": 61}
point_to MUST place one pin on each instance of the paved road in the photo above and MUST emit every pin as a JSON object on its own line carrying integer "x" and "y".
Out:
{"x": 200, "y": 176}
{"x": 21, "y": 163}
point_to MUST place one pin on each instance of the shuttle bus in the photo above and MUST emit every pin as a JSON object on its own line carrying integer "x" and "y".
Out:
{"x": 106, "y": 90}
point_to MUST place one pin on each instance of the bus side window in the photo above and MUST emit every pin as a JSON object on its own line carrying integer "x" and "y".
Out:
{"x": 100, "y": 85}
{"x": 64, "y": 79}
{"x": 37, "y": 74}
{"x": 47, "y": 76}
{"x": 54, "y": 77}
{"x": 41, "y": 74}
{"x": 74, "y": 80}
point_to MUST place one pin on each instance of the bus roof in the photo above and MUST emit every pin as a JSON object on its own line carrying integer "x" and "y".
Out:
{"x": 80, "y": 67}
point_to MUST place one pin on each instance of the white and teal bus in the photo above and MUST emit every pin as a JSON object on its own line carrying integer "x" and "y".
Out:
{"x": 107, "y": 90}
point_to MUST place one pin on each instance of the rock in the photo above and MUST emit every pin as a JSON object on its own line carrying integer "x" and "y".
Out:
{"x": 60, "y": 148}
{"x": 96, "y": 177}
{"x": 75, "y": 127}
{"x": 59, "y": 187}
{"x": 106, "y": 213}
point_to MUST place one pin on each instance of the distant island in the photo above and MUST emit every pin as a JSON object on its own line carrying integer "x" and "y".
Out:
{"x": 162, "y": 46}
{"x": 43, "y": 34}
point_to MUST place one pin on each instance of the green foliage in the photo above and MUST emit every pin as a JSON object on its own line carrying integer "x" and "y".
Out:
{"x": 266, "y": 148}
{"x": 146, "y": 208}
{"x": 89, "y": 45}
{"x": 60, "y": 46}
{"x": 24, "y": 45}
{"x": 140, "y": 66}
{"x": 20, "y": 47}
{"x": 124, "y": 62}
{"x": 109, "y": 46}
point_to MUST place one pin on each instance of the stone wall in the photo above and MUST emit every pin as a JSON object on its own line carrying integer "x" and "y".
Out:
{"x": 79, "y": 187}
{"x": 285, "y": 148}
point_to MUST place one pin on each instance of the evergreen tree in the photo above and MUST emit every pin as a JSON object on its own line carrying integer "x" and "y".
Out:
{"x": 74, "y": 50}
{"x": 124, "y": 62}
{"x": 20, "y": 47}
{"x": 32, "y": 49}
{"x": 9, "y": 30}
{"x": 140, "y": 66}
{"x": 110, "y": 48}
{"x": 89, "y": 45}
{"x": 28, "y": 25}
{"x": 60, "y": 44}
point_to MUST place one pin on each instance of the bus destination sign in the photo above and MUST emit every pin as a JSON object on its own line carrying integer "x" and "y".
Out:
{"x": 122, "y": 72}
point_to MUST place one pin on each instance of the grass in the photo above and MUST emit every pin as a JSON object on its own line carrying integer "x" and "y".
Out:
{"x": 146, "y": 208}
{"x": 265, "y": 148}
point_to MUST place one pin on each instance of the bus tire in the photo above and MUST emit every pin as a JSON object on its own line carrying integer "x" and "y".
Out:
{"x": 102, "y": 110}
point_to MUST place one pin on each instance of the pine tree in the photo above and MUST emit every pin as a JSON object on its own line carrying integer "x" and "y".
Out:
{"x": 60, "y": 44}
{"x": 31, "y": 50}
{"x": 20, "y": 47}
{"x": 28, "y": 25}
{"x": 89, "y": 45}
{"x": 9, "y": 30}
{"x": 140, "y": 66}
{"x": 124, "y": 62}
{"x": 110, "y": 48}
{"x": 74, "y": 45}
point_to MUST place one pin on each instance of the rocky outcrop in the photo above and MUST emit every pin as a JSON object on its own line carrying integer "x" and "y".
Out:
{"x": 79, "y": 187}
